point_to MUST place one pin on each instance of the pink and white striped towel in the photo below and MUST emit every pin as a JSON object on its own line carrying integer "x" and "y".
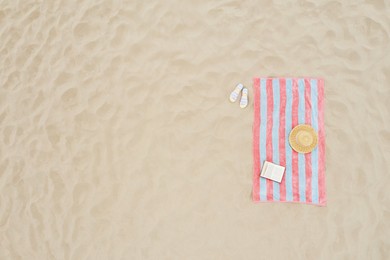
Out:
{"x": 279, "y": 105}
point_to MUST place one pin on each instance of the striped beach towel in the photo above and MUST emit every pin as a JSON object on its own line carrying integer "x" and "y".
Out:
{"x": 279, "y": 105}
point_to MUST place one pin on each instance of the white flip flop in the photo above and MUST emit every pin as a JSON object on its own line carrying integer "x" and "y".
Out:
{"x": 236, "y": 92}
{"x": 244, "y": 98}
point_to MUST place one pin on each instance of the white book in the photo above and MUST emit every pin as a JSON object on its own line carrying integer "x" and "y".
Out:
{"x": 272, "y": 171}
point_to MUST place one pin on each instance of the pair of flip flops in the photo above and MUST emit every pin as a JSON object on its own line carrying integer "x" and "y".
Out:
{"x": 244, "y": 97}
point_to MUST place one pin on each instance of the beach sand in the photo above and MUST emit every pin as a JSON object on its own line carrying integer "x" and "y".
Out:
{"x": 118, "y": 141}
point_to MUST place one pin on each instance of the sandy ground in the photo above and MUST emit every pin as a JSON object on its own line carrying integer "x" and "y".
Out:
{"x": 117, "y": 139}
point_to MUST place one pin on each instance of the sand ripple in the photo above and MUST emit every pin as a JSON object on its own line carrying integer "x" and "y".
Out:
{"x": 117, "y": 140}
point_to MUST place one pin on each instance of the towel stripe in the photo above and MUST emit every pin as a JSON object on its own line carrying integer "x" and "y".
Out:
{"x": 256, "y": 136}
{"x": 301, "y": 156}
{"x": 308, "y": 155}
{"x": 321, "y": 145}
{"x": 275, "y": 133}
{"x": 288, "y": 177}
{"x": 295, "y": 169}
{"x": 263, "y": 135}
{"x": 282, "y": 127}
{"x": 270, "y": 105}
{"x": 314, "y": 154}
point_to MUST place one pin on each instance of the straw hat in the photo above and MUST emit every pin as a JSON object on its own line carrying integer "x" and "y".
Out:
{"x": 303, "y": 138}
